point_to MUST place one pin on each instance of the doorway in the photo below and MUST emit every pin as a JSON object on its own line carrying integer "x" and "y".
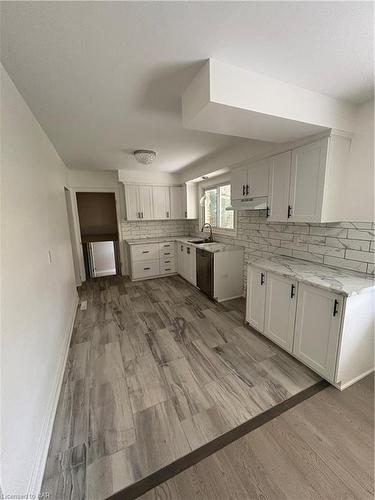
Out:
{"x": 99, "y": 233}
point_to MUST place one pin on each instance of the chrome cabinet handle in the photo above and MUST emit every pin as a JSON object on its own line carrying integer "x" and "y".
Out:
{"x": 262, "y": 278}
{"x": 292, "y": 291}
{"x": 243, "y": 189}
{"x": 289, "y": 211}
{"x": 146, "y": 268}
{"x": 247, "y": 188}
{"x": 167, "y": 215}
{"x": 146, "y": 251}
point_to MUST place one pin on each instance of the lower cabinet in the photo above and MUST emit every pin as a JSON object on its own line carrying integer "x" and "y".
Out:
{"x": 317, "y": 329}
{"x": 186, "y": 262}
{"x": 329, "y": 332}
{"x": 256, "y": 298}
{"x": 150, "y": 260}
{"x": 281, "y": 301}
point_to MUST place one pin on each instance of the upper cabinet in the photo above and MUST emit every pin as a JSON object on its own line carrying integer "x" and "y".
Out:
{"x": 177, "y": 202}
{"x": 250, "y": 181}
{"x": 161, "y": 202}
{"x": 138, "y": 202}
{"x": 302, "y": 185}
{"x": 278, "y": 188}
{"x": 307, "y": 176}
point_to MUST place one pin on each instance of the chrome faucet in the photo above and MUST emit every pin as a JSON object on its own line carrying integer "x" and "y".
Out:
{"x": 208, "y": 225}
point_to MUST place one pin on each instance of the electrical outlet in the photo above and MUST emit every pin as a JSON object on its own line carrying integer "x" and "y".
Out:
{"x": 83, "y": 305}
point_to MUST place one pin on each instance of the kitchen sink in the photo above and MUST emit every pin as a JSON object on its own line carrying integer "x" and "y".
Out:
{"x": 200, "y": 242}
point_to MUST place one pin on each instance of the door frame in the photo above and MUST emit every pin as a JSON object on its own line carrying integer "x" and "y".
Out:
{"x": 73, "y": 192}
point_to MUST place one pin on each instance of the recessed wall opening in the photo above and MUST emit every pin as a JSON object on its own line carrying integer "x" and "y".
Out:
{"x": 99, "y": 233}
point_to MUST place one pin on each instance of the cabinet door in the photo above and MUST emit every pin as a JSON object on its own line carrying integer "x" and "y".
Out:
{"x": 307, "y": 182}
{"x": 317, "y": 329}
{"x": 145, "y": 202}
{"x": 281, "y": 298}
{"x": 180, "y": 259}
{"x": 131, "y": 202}
{"x": 256, "y": 297}
{"x": 257, "y": 179}
{"x": 161, "y": 202}
{"x": 278, "y": 186}
{"x": 190, "y": 265}
{"x": 238, "y": 183}
{"x": 177, "y": 202}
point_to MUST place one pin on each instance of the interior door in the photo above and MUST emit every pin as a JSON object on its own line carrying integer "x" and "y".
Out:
{"x": 238, "y": 183}
{"x": 278, "y": 188}
{"x": 317, "y": 329}
{"x": 256, "y": 297}
{"x": 177, "y": 202}
{"x": 145, "y": 202}
{"x": 257, "y": 179}
{"x": 161, "y": 202}
{"x": 131, "y": 202}
{"x": 281, "y": 299}
{"x": 307, "y": 182}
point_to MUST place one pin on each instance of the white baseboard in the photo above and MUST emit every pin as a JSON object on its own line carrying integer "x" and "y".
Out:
{"x": 342, "y": 386}
{"x": 36, "y": 478}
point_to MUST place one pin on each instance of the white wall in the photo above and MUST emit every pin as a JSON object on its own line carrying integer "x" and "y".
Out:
{"x": 358, "y": 193}
{"x": 38, "y": 297}
{"x": 92, "y": 179}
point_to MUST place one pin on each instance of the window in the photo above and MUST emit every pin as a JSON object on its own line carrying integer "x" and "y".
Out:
{"x": 216, "y": 200}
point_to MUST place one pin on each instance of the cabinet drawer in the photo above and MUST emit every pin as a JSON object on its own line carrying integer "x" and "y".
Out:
{"x": 167, "y": 266}
{"x": 166, "y": 253}
{"x": 145, "y": 252}
{"x": 145, "y": 269}
{"x": 166, "y": 245}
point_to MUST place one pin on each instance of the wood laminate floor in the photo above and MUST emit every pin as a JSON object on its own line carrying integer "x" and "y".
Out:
{"x": 321, "y": 449}
{"x": 155, "y": 371}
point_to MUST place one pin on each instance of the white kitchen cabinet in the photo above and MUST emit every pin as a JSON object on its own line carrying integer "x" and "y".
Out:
{"x": 238, "y": 183}
{"x": 178, "y": 196}
{"x": 307, "y": 182}
{"x": 317, "y": 329}
{"x": 138, "y": 202}
{"x": 161, "y": 202}
{"x": 257, "y": 179}
{"x": 281, "y": 300}
{"x": 256, "y": 298}
{"x": 250, "y": 181}
{"x": 331, "y": 333}
{"x": 278, "y": 187}
{"x": 186, "y": 262}
{"x": 131, "y": 199}
{"x": 190, "y": 200}
{"x": 145, "y": 202}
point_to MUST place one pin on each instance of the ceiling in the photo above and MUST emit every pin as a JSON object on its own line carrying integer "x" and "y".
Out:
{"x": 105, "y": 78}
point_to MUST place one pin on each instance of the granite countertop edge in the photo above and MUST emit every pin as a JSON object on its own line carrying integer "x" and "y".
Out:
{"x": 344, "y": 282}
{"x": 187, "y": 240}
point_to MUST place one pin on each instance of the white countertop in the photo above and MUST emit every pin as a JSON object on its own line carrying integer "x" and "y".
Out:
{"x": 330, "y": 278}
{"x": 189, "y": 240}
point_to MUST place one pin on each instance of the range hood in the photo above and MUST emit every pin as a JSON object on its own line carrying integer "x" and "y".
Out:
{"x": 259, "y": 203}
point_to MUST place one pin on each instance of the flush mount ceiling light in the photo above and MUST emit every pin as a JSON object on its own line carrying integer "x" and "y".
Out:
{"x": 144, "y": 156}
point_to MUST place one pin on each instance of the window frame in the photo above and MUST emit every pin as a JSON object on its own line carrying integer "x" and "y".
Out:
{"x": 219, "y": 229}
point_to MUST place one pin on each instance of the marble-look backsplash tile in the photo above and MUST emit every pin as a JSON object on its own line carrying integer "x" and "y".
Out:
{"x": 348, "y": 245}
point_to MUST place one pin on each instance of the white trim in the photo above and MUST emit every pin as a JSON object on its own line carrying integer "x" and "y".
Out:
{"x": 41, "y": 453}
{"x": 341, "y": 386}
{"x": 229, "y": 298}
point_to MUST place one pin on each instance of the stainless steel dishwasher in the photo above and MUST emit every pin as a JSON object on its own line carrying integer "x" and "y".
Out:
{"x": 205, "y": 271}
